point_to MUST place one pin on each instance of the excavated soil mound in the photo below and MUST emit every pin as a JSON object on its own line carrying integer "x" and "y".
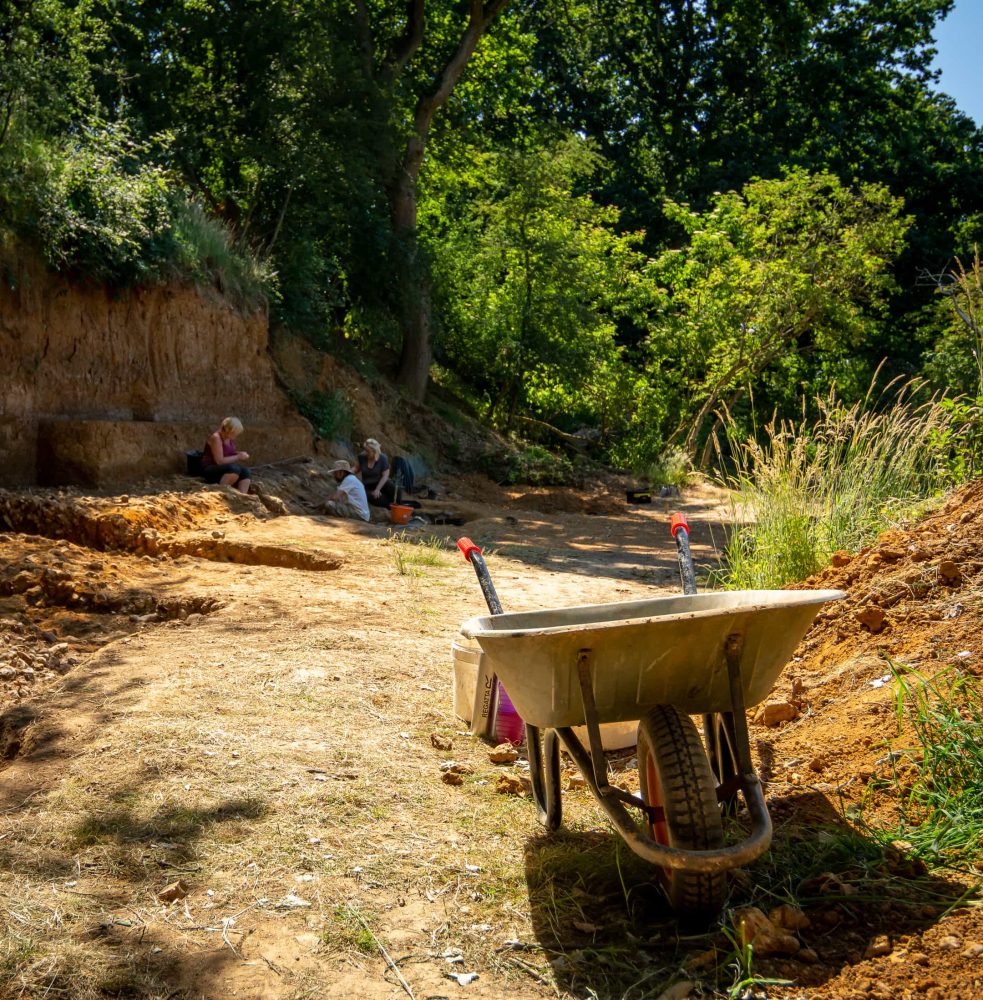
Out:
{"x": 915, "y": 602}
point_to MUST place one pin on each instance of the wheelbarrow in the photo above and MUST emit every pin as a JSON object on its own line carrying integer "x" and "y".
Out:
{"x": 661, "y": 661}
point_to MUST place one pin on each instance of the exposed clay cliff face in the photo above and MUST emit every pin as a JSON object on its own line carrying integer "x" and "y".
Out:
{"x": 98, "y": 387}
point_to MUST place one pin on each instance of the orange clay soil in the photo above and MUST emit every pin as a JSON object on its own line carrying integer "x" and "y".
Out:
{"x": 227, "y": 736}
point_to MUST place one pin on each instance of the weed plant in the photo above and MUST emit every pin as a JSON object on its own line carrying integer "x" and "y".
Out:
{"x": 810, "y": 488}
{"x": 409, "y": 555}
{"x": 941, "y": 810}
{"x": 672, "y": 468}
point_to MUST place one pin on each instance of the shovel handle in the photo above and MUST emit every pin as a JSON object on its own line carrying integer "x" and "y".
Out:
{"x": 467, "y": 547}
{"x": 680, "y": 531}
{"x": 472, "y": 553}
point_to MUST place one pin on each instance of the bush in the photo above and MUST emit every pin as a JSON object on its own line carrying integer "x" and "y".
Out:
{"x": 537, "y": 466}
{"x": 98, "y": 207}
{"x": 330, "y": 414}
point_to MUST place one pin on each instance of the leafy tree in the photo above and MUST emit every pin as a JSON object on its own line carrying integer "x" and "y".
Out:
{"x": 536, "y": 281}
{"x": 956, "y": 362}
{"x": 779, "y": 279}
{"x": 46, "y": 75}
{"x": 306, "y": 126}
{"x": 687, "y": 99}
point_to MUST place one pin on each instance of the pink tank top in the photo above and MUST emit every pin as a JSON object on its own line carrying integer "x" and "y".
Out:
{"x": 229, "y": 449}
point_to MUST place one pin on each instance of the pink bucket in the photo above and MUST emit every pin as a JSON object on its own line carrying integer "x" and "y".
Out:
{"x": 509, "y": 728}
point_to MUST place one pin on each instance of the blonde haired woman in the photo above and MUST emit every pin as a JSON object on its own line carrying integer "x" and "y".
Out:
{"x": 221, "y": 461}
{"x": 373, "y": 470}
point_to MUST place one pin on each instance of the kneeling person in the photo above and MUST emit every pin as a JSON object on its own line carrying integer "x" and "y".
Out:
{"x": 349, "y": 499}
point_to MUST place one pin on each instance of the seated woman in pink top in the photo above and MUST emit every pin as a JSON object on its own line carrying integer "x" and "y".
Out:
{"x": 221, "y": 461}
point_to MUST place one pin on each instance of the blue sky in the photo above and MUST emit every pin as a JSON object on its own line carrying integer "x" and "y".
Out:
{"x": 958, "y": 41}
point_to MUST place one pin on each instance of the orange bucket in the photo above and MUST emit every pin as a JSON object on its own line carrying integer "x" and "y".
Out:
{"x": 400, "y": 514}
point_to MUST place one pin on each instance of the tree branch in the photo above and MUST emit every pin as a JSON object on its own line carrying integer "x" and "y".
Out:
{"x": 364, "y": 33}
{"x": 480, "y": 17}
{"x": 407, "y": 44}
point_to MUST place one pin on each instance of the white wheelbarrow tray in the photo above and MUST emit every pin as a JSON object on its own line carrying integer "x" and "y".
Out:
{"x": 661, "y": 651}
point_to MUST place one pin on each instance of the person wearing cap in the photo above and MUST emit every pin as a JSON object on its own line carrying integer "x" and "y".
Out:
{"x": 349, "y": 499}
{"x": 373, "y": 468}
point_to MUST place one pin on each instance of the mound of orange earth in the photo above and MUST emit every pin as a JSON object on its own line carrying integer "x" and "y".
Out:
{"x": 914, "y": 601}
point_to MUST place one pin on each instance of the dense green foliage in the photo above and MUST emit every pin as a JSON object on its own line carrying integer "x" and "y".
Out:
{"x": 600, "y": 218}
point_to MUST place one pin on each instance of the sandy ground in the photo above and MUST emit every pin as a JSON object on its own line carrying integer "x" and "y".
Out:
{"x": 246, "y": 706}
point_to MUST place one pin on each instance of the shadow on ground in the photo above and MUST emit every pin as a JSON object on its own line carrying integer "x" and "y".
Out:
{"x": 606, "y": 928}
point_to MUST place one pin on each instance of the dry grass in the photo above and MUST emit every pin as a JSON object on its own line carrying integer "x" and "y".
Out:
{"x": 265, "y": 757}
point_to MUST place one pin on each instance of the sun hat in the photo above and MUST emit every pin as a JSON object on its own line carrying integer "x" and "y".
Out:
{"x": 341, "y": 466}
{"x": 373, "y": 445}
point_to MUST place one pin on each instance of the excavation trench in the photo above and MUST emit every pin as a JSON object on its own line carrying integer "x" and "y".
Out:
{"x": 156, "y": 526}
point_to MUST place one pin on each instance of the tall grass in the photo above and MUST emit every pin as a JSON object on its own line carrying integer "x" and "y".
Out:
{"x": 941, "y": 811}
{"x": 205, "y": 250}
{"x": 806, "y": 489}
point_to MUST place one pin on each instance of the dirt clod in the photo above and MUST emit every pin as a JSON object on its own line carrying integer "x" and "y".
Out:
{"x": 775, "y": 713}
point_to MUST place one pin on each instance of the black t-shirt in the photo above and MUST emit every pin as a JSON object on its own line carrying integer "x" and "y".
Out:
{"x": 371, "y": 477}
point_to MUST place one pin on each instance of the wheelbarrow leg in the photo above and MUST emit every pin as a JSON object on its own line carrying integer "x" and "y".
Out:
{"x": 727, "y": 739}
{"x": 543, "y": 750}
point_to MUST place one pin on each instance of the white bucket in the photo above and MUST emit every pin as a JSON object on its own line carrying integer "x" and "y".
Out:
{"x": 468, "y": 658}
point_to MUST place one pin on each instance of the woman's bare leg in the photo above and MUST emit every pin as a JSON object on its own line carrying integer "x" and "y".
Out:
{"x": 243, "y": 485}
{"x": 229, "y": 478}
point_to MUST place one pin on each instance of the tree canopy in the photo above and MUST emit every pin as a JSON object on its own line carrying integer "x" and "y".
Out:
{"x": 593, "y": 214}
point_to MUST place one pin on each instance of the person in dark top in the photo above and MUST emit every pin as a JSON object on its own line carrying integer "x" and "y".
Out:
{"x": 373, "y": 470}
{"x": 220, "y": 462}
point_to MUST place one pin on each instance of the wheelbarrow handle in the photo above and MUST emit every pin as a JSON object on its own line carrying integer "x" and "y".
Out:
{"x": 467, "y": 547}
{"x": 679, "y": 528}
{"x": 472, "y": 553}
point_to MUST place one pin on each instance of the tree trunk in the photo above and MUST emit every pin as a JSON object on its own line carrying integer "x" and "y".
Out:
{"x": 412, "y": 273}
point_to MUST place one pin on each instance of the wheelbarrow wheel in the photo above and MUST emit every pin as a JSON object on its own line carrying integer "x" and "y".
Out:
{"x": 679, "y": 791}
{"x": 720, "y": 736}
{"x": 543, "y": 751}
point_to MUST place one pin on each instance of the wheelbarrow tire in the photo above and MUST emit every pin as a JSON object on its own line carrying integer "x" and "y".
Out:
{"x": 543, "y": 751}
{"x": 675, "y": 776}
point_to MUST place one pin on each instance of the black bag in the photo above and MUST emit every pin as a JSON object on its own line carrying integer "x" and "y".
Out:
{"x": 193, "y": 460}
{"x": 402, "y": 476}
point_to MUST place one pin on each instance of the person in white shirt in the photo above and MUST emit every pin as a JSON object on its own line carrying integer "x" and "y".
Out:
{"x": 349, "y": 499}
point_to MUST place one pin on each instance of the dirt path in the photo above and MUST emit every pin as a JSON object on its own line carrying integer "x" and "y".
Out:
{"x": 258, "y": 707}
{"x": 275, "y": 753}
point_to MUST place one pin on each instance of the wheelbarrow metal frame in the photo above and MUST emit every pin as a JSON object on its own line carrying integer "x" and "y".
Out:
{"x": 545, "y": 774}
{"x": 543, "y": 750}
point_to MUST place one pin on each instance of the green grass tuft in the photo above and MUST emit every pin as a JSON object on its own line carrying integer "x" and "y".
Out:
{"x": 941, "y": 809}
{"x": 811, "y": 488}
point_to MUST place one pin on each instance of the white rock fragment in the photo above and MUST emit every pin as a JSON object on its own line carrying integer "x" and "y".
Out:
{"x": 292, "y": 902}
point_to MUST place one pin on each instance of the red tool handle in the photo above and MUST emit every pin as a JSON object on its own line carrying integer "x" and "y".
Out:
{"x": 467, "y": 547}
{"x": 473, "y": 555}
{"x": 678, "y": 522}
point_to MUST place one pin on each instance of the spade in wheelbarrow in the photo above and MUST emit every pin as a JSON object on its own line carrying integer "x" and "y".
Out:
{"x": 661, "y": 661}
